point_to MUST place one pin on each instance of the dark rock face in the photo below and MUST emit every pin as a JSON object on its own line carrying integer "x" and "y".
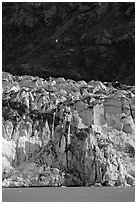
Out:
{"x": 60, "y": 132}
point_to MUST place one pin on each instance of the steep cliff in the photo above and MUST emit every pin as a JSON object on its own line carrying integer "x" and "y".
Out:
{"x": 59, "y": 132}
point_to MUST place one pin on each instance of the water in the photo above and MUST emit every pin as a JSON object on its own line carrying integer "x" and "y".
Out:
{"x": 69, "y": 194}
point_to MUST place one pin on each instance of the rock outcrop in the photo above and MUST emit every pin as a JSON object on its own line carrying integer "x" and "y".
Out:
{"x": 59, "y": 132}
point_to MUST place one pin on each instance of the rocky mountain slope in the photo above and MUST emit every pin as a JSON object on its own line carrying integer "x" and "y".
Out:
{"x": 59, "y": 132}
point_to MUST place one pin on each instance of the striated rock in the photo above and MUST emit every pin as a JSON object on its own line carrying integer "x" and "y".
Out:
{"x": 61, "y": 132}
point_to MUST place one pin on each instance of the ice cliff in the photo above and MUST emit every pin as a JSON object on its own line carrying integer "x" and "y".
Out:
{"x": 59, "y": 132}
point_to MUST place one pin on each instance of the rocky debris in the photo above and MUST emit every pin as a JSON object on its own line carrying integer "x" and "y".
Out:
{"x": 77, "y": 133}
{"x": 26, "y": 175}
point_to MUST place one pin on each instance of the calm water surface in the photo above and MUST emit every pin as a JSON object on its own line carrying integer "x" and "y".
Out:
{"x": 69, "y": 194}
